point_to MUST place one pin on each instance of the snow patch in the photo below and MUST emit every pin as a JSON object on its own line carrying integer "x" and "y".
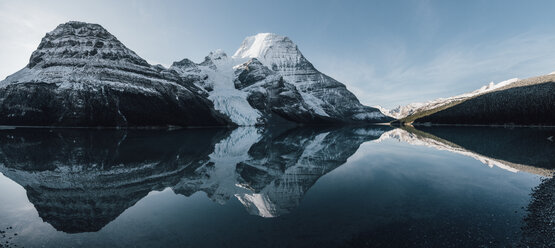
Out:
{"x": 226, "y": 98}
{"x": 255, "y": 46}
{"x": 258, "y": 202}
{"x": 368, "y": 116}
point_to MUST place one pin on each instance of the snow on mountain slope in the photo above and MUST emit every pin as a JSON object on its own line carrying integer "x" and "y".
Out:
{"x": 216, "y": 76}
{"x": 278, "y": 100}
{"x": 524, "y": 102}
{"x": 226, "y": 98}
{"x": 280, "y": 54}
{"x": 81, "y": 75}
{"x": 325, "y": 96}
{"x": 268, "y": 80}
{"x": 404, "y": 111}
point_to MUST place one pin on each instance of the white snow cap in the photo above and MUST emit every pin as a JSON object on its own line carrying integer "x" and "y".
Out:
{"x": 258, "y": 45}
{"x": 269, "y": 48}
{"x": 277, "y": 52}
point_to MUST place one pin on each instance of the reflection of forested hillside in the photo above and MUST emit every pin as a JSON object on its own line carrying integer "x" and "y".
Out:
{"x": 528, "y": 146}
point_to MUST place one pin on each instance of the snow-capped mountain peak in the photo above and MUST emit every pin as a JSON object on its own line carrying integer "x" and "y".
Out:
{"x": 322, "y": 94}
{"x": 277, "y": 52}
{"x": 258, "y": 46}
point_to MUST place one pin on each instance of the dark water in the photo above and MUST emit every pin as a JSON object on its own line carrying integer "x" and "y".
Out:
{"x": 248, "y": 187}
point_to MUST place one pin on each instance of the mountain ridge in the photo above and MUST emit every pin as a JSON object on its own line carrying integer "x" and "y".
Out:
{"x": 511, "y": 102}
{"x": 276, "y": 72}
{"x": 400, "y": 112}
{"x": 82, "y": 75}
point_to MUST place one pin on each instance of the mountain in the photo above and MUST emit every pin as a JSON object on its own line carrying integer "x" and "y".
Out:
{"x": 514, "y": 102}
{"x": 268, "y": 80}
{"x": 401, "y": 112}
{"x": 248, "y": 93}
{"x": 81, "y": 75}
{"x": 525, "y": 102}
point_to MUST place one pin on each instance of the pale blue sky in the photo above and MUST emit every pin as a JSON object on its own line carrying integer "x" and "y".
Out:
{"x": 387, "y": 52}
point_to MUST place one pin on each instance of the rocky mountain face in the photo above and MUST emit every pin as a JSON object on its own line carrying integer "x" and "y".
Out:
{"x": 81, "y": 75}
{"x": 80, "y": 180}
{"x": 326, "y": 96}
{"x": 268, "y": 80}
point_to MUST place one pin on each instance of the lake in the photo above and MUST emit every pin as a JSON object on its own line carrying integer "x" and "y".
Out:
{"x": 375, "y": 186}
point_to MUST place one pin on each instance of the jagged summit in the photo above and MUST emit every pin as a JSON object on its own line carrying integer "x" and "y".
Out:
{"x": 83, "y": 29}
{"x": 260, "y": 44}
{"x": 275, "y": 51}
{"x": 184, "y": 63}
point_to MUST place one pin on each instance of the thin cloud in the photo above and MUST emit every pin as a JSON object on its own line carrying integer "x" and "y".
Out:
{"x": 21, "y": 32}
{"x": 455, "y": 69}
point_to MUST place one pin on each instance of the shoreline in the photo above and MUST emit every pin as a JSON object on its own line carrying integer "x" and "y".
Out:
{"x": 539, "y": 224}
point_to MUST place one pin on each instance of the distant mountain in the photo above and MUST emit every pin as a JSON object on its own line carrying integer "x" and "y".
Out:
{"x": 515, "y": 102}
{"x": 401, "y": 112}
{"x": 81, "y": 75}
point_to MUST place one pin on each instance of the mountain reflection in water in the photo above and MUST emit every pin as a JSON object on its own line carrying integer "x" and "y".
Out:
{"x": 80, "y": 180}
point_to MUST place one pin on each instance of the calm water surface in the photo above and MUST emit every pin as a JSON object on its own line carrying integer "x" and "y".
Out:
{"x": 249, "y": 187}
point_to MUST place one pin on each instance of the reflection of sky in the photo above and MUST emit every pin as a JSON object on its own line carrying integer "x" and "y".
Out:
{"x": 387, "y": 52}
{"x": 381, "y": 183}
{"x": 11, "y": 195}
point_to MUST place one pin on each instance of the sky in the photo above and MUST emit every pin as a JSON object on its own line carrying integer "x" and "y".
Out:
{"x": 387, "y": 53}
